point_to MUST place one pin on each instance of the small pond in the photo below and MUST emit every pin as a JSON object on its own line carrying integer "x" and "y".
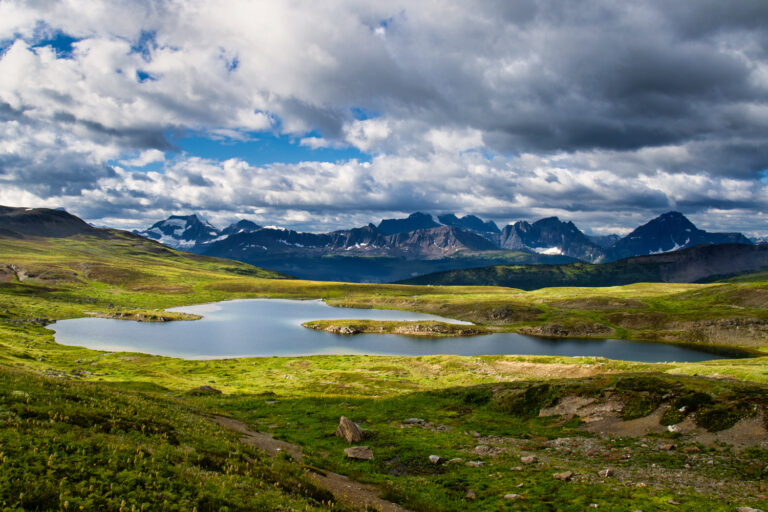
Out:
{"x": 272, "y": 327}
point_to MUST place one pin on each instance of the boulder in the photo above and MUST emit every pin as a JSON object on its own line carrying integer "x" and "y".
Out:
{"x": 528, "y": 459}
{"x": 513, "y": 497}
{"x": 564, "y": 476}
{"x": 435, "y": 459}
{"x": 359, "y": 453}
{"x": 205, "y": 390}
{"x": 349, "y": 431}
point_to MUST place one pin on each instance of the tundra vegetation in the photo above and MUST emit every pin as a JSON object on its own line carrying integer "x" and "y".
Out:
{"x": 93, "y": 430}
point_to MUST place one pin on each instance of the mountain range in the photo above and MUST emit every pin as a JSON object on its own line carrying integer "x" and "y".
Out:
{"x": 401, "y": 248}
{"x": 367, "y": 254}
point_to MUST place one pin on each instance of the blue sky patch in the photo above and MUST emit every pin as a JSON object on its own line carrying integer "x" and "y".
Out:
{"x": 263, "y": 149}
{"x": 142, "y": 76}
{"x": 361, "y": 114}
{"x": 145, "y": 44}
{"x": 62, "y": 44}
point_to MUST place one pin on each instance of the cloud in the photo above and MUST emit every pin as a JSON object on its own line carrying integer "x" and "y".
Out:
{"x": 601, "y": 112}
{"x": 146, "y": 157}
{"x": 322, "y": 196}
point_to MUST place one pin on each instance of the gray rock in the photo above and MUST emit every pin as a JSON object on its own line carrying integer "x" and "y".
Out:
{"x": 205, "y": 390}
{"x": 359, "y": 452}
{"x": 605, "y": 473}
{"x": 748, "y": 509}
{"x": 513, "y": 497}
{"x": 475, "y": 464}
{"x": 435, "y": 459}
{"x": 349, "y": 431}
{"x": 470, "y": 495}
{"x": 564, "y": 476}
{"x": 529, "y": 459}
{"x": 414, "y": 421}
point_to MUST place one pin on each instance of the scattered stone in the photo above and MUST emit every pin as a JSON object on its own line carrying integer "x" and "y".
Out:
{"x": 748, "y": 509}
{"x": 667, "y": 447}
{"x": 520, "y": 485}
{"x": 641, "y": 484}
{"x": 455, "y": 460}
{"x": 516, "y": 468}
{"x": 529, "y": 459}
{"x": 470, "y": 495}
{"x": 673, "y": 502}
{"x": 475, "y": 464}
{"x": 594, "y": 505}
{"x": 349, "y": 431}
{"x": 359, "y": 452}
{"x": 691, "y": 449}
{"x": 474, "y": 433}
{"x": 435, "y": 459}
{"x": 605, "y": 473}
{"x": 205, "y": 390}
{"x": 414, "y": 421}
{"x": 564, "y": 476}
{"x": 513, "y": 497}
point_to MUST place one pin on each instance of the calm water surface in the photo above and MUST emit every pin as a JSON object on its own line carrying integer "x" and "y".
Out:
{"x": 272, "y": 327}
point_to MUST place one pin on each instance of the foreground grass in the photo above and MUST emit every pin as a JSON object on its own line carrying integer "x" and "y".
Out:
{"x": 67, "y": 445}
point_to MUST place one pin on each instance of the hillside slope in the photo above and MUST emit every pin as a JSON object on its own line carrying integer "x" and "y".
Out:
{"x": 697, "y": 264}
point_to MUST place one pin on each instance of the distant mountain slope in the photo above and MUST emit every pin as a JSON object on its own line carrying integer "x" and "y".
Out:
{"x": 357, "y": 268}
{"x": 550, "y": 236}
{"x": 240, "y": 227}
{"x": 700, "y": 263}
{"x": 669, "y": 232}
{"x": 181, "y": 231}
{"x": 605, "y": 240}
{"x": 389, "y": 251}
{"x": 414, "y": 221}
{"x": 489, "y": 229}
{"x": 44, "y": 222}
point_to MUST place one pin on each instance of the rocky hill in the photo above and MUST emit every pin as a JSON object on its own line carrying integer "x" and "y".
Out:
{"x": 43, "y": 222}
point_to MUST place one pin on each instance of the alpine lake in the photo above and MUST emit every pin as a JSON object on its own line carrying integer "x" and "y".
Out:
{"x": 273, "y": 327}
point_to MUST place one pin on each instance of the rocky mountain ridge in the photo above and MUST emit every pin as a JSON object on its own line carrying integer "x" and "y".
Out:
{"x": 424, "y": 236}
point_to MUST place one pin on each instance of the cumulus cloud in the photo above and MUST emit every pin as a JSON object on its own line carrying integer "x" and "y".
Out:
{"x": 145, "y": 158}
{"x": 601, "y": 112}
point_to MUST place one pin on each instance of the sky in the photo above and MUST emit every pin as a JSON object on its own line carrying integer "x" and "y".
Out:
{"x": 326, "y": 115}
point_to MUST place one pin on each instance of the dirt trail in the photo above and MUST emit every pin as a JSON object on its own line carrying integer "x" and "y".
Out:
{"x": 345, "y": 490}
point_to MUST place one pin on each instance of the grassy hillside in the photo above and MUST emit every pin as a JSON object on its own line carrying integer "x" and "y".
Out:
{"x": 116, "y": 431}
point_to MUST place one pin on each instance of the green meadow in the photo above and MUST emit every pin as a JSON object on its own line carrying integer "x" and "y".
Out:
{"x": 90, "y": 430}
